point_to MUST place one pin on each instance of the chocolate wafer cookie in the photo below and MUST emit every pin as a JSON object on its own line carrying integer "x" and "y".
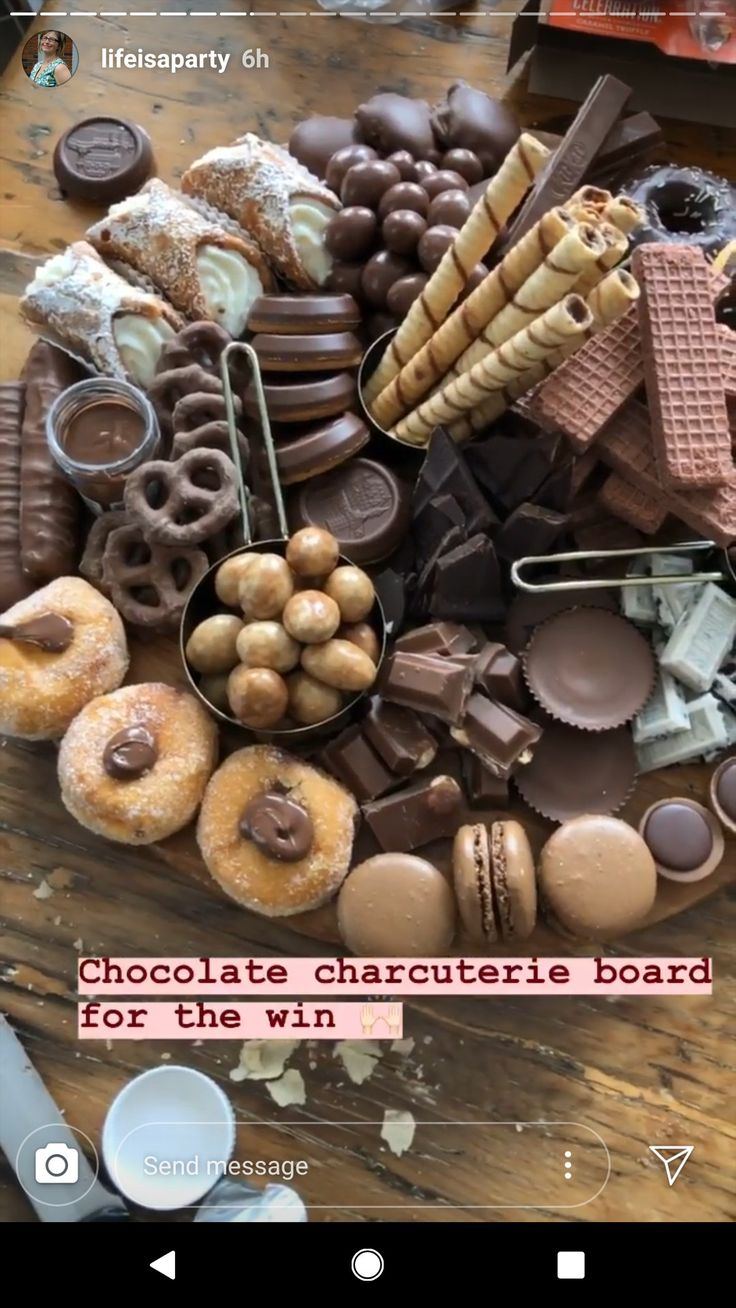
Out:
{"x": 727, "y": 346}
{"x": 633, "y": 505}
{"x": 682, "y": 366}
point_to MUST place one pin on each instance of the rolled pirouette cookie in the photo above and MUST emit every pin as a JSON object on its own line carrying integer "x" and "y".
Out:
{"x": 568, "y": 318}
{"x": 14, "y": 585}
{"x": 50, "y": 509}
{"x": 274, "y": 198}
{"x": 116, "y": 327}
{"x": 205, "y": 271}
{"x": 617, "y": 244}
{"x": 503, "y": 195}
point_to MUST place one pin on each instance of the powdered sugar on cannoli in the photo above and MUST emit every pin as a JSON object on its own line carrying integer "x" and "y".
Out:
{"x": 204, "y": 270}
{"x": 116, "y": 327}
{"x": 274, "y": 198}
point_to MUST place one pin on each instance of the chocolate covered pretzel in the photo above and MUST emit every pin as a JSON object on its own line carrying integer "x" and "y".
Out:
{"x": 185, "y": 502}
{"x": 199, "y": 422}
{"x": 199, "y": 342}
{"x": 148, "y": 583}
{"x": 168, "y": 388}
{"x": 90, "y": 565}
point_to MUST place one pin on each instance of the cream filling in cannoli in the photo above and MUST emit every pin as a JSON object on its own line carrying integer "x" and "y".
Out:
{"x": 139, "y": 342}
{"x": 308, "y": 221}
{"x": 229, "y": 285}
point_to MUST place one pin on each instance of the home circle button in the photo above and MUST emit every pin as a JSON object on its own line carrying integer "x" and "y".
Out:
{"x": 367, "y": 1265}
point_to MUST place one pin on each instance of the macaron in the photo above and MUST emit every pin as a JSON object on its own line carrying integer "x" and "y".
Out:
{"x": 684, "y": 839}
{"x": 495, "y": 883}
{"x": 597, "y": 878}
{"x": 396, "y": 905}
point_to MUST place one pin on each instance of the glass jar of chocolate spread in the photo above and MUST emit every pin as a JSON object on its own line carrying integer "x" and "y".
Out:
{"x": 98, "y": 431}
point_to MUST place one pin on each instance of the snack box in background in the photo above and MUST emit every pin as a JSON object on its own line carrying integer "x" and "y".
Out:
{"x": 678, "y": 65}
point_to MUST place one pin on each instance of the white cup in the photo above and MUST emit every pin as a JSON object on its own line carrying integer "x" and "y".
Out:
{"x": 167, "y": 1137}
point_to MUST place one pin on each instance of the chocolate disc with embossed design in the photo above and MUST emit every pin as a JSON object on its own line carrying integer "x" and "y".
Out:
{"x": 363, "y": 504}
{"x": 103, "y": 159}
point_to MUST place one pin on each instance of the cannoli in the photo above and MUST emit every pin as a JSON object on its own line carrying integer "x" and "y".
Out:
{"x": 204, "y": 270}
{"x": 50, "y": 508}
{"x": 98, "y": 316}
{"x": 273, "y": 198}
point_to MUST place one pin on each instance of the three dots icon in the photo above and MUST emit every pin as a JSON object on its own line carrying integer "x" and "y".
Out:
{"x": 568, "y": 1164}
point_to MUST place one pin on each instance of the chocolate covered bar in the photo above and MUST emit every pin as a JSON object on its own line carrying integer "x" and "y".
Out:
{"x": 428, "y": 810}
{"x": 682, "y": 366}
{"x": 399, "y": 737}
{"x": 438, "y": 638}
{"x": 501, "y": 738}
{"x": 427, "y": 683}
{"x": 566, "y": 168}
{"x": 630, "y": 503}
{"x": 50, "y": 509}
{"x": 14, "y": 585}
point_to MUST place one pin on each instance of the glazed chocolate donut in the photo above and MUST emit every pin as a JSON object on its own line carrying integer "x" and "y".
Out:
{"x": 684, "y": 206}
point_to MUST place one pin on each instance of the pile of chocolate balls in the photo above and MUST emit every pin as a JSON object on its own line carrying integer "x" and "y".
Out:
{"x": 300, "y": 646}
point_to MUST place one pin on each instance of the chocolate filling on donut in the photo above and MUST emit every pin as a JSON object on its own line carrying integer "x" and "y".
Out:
{"x": 278, "y": 826}
{"x": 130, "y": 753}
{"x": 50, "y": 631}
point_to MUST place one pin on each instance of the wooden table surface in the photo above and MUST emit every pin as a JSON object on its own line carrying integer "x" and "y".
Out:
{"x": 637, "y": 1071}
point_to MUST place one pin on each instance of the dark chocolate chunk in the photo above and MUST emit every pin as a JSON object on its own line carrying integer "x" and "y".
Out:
{"x": 482, "y": 788}
{"x": 429, "y": 810}
{"x": 103, "y": 159}
{"x": 499, "y": 673}
{"x": 400, "y": 737}
{"x": 470, "y": 119}
{"x": 427, "y": 683}
{"x": 421, "y": 592}
{"x": 446, "y": 472}
{"x": 629, "y": 142}
{"x": 433, "y": 522}
{"x": 351, "y": 759}
{"x": 390, "y": 588}
{"x": 439, "y": 638}
{"x": 511, "y": 468}
{"x": 501, "y": 738}
{"x": 530, "y": 529}
{"x": 467, "y": 583}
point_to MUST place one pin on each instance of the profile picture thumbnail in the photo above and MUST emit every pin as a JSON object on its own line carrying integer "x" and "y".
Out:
{"x": 50, "y": 58}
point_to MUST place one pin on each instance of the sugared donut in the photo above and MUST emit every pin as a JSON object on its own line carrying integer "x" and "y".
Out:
{"x": 60, "y": 647}
{"x": 684, "y": 206}
{"x": 134, "y": 764}
{"x": 275, "y": 833}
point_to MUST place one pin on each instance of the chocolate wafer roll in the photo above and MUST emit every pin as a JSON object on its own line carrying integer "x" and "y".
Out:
{"x": 617, "y": 245}
{"x": 116, "y": 327}
{"x": 568, "y": 318}
{"x": 578, "y": 250}
{"x": 592, "y": 197}
{"x": 624, "y": 213}
{"x": 205, "y": 271}
{"x": 50, "y": 508}
{"x": 469, "y": 318}
{"x": 504, "y": 193}
{"x": 14, "y": 585}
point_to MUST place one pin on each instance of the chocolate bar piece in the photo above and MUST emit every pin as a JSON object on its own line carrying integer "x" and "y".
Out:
{"x": 467, "y": 583}
{"x": 566, "y": 168}
{"x": 349, "y": 757}
{"x": 390, "y": 588}
{"x": 427, "y": 683}
{"x": 432, "y": 524}
{"x": 14, "y": 585}
{"x": 629, "y": 142}
{"x": 512, "y": 468}
{"x": 626, "y": 446}
{"x": 499, "y": 673}
{"x": 501, "y": 738}
{"x": 446, "y": 472}
{"x": 682, "y": 366}
{"x": 399, "y": 737}
{"x": 421, "y": 592}
{"x": 50, "y": 509}
{"x": 439, "y": 638}
{"x": 530, "y": 529}
{"x": 589, "y": 388}
{"x": 429, "y": 810}
{"x": 622, "y": 500}
{"x": 483, "y": 789}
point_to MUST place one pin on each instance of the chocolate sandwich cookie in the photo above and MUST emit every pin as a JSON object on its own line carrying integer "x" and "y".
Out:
{"x": 103, "y": 159}
{"x": 313, "y": 450}
{"x": 363, "y": 504}
{"x": 299, "y": 401}
{"x": 495, "y": 881}
{"x": 303, "y": 315}
{"x": 684, "y": 839}
{"x": 316, "y": 353}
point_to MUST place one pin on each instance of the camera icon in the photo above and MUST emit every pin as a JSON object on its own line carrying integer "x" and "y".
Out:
{"x": 56, "y": 1164}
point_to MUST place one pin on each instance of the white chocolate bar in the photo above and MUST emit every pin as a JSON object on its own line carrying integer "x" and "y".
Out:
{"x": 725, "y": 688}
{"x": 637, "y": 602}
{"x": 665, "y": 714}
{"x": 702, "y": 638}
{"x": 707, "y": 734}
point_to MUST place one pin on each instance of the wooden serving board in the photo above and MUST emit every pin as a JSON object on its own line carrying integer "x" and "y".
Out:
{"x": 160, "y": 660}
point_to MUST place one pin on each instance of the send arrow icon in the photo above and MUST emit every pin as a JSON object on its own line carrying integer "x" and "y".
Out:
{"x": 166, "y": 1265}
{"x": 674, "y": 1158}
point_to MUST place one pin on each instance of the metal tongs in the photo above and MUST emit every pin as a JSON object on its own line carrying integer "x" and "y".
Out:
{"x": 244, "y": 494}
{"x": 600, "y": 583}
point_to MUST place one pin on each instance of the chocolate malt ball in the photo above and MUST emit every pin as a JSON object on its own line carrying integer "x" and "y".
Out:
{"x": 404, "y": 292}
{"x": 311, "y": 701}
{"x": 353, "y": 592}
{"x": 211, "y": 647}
{"x": 407, "y": 195}
{"x": 229, "y": 576}
{"x": 362, "y": 635}
{"x": 340, "y": 664}
{"x": 312, "y": 552}
{"x": 434, "y": 245}
{"x": 311, "y": 617}
{"x": 266, "y": 587}
{"x": 450, "y": 208}
{"x": 444, "y": 180}
{"x": 379, "y": 275}
{"x": 365, "y": 183}
{"x": 267, "y": 644}
{"x": 351, "y": 233}
{"x": 343, "y": 159}
{"x": 258, "y": 696}
{"x": 402, "y": 231}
